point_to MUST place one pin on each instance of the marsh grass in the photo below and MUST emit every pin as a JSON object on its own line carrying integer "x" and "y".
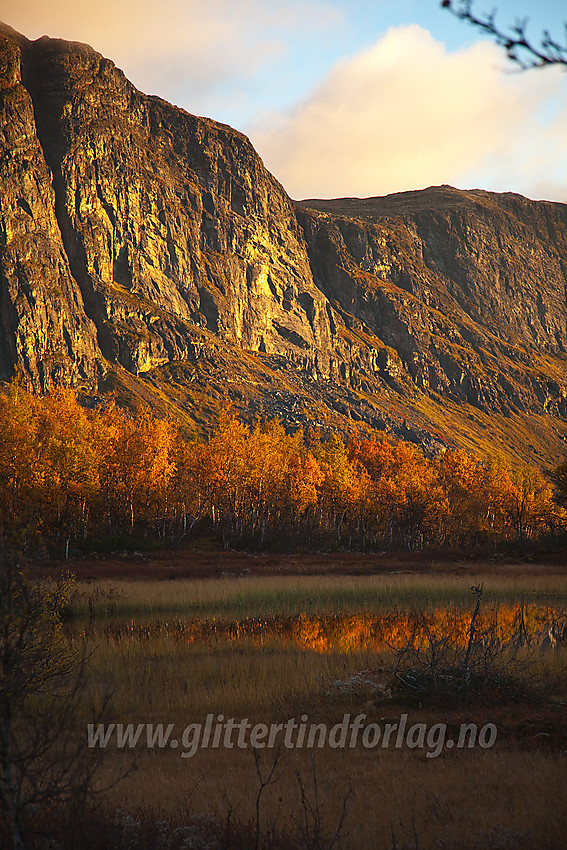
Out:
{"x": 267, "y": 596}
{"x": 186, "y": 681}
{"x": 497, "y": 800}
{"x": 508, "y": 797}
{"x": 231, "y": 644}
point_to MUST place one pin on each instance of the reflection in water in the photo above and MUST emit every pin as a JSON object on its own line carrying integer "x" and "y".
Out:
{"x": 537, "y": 625}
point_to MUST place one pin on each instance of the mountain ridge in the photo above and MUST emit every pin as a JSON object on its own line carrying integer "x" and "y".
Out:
{"x": 148, "y": 251}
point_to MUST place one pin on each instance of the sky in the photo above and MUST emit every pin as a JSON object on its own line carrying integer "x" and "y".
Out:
{"x": 351, "y": 98}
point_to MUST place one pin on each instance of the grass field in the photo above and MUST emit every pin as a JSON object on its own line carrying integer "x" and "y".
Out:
{"x": 175, "y": 650}
{"x": 248, "y": 595}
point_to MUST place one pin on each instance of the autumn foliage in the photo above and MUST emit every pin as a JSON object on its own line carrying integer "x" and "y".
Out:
{"x": 69, "y": 474}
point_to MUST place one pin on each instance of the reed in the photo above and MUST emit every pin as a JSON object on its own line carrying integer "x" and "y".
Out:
{"x": 175, "y": 651}
{"x": 264, "y": 596}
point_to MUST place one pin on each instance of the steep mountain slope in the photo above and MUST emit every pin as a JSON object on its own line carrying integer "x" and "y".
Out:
{"x": 145, "y": 250}
{"x": 467, "y": 287}
{"x": 160, "y": 214}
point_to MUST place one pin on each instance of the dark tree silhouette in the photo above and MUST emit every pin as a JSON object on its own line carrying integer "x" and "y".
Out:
{"x": 42, "y": 763}
{"x": 514, "y": 39}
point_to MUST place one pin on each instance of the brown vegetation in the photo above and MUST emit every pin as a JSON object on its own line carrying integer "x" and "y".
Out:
{"x": 230, "y": 654}
{"x": 269, "y": 669}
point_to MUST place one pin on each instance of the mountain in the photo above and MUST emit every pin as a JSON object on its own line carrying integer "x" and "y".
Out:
{"x": 148, "y": 251}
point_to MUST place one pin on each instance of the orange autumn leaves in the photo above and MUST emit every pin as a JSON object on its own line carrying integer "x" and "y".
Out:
{"x": 68, "y": 473}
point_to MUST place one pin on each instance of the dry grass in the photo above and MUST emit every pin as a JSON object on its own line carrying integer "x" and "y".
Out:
{"x": 510, "y": 794}
{"x": 251, "y": 595}
{"x": 184, "y": 682}
{"x": 459, "y": 797}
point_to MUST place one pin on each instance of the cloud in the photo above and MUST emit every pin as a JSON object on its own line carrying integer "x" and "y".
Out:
{"x": 405, "y": 114}
{"x": 401, "y": 114}
{"x": 193, "y": 50}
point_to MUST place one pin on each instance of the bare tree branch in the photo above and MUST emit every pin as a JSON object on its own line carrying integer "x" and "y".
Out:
{"x": 42, "y": 681}
{"x": 515, "y": 41}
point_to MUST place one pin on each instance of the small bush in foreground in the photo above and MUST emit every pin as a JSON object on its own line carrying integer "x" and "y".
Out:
{"x": 477, "y": 665}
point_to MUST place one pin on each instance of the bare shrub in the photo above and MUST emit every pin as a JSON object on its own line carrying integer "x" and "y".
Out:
{"x": 315, "y": 829}
{"x": 43, "y": 768}
{"x": 477, "y": 664}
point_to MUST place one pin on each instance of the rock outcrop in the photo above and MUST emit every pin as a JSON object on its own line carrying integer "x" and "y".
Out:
{"x": 149, "y": 251}
{"x": 468, "y": 289}
{"x": 161, "y": 218}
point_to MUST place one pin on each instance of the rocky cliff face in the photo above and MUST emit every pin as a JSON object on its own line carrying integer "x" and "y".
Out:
{"x": 468, "y": 289}
{"x": 148, "y": 250}
{"x": 44, "y": 328}
{"x": 163, "y": 219}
